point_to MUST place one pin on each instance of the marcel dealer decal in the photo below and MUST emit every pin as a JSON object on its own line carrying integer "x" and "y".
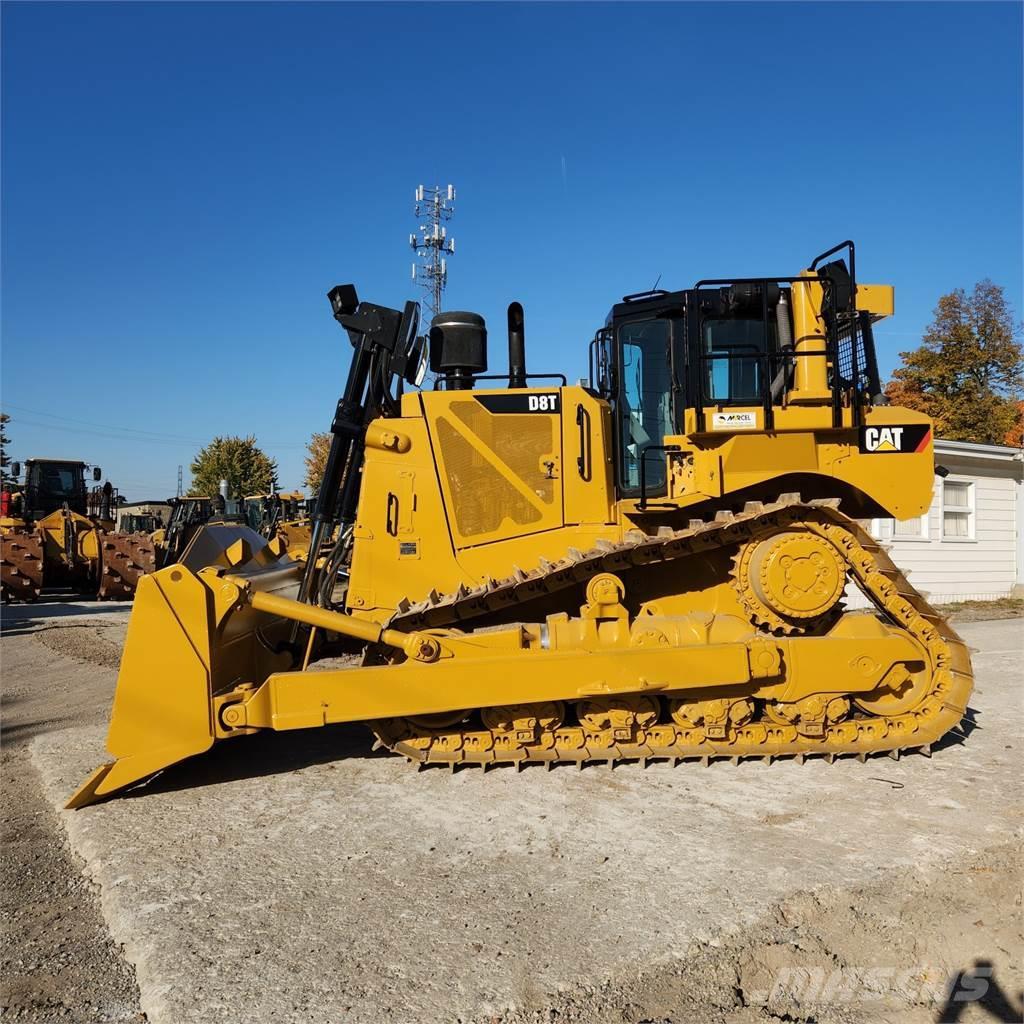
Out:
{"x": 734, "y": 421}
{"x": 893, "y": 440}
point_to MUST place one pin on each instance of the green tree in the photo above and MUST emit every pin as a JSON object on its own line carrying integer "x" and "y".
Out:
{"x": 316, "y": 459}
{"x": 5, "y": 459}
{"x": 237, "y": 460}
{"x": 968, "y": 374}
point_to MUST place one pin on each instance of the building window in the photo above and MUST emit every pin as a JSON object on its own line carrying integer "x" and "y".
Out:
{"x": 894, "y": 529}
{"x": 957, "y": 510}
{"x": 911, "y": 529}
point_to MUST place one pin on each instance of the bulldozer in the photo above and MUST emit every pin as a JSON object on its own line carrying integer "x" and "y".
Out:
{"x": 57, "y": 531}
{"x": 283, "y": 514}
{"x": 653, "y": 564}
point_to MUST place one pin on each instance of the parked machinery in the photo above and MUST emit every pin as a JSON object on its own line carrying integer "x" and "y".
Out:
{"x": 56, "y": 531}
{"x": 281, "y": 514}
{"x": 649, "y": 567}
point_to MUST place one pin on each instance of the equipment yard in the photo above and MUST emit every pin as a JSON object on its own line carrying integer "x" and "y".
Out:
{"x": 302, "y": 877}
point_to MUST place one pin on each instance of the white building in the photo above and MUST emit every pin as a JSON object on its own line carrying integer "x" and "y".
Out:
{"x": 970, "y": 544}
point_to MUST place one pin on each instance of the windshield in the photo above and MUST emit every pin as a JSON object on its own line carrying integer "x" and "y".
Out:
{"x": 644, "y": 401}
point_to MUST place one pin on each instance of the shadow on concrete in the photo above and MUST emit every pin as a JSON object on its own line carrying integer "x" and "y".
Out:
{"x": 978, "y": 987}
{"x": 961, "y": 733}
{"x": 18, "y": 730}
{"x": 24, "y": 618}
{"x": 251, "y": 757}
{"x": 270, "y": 753}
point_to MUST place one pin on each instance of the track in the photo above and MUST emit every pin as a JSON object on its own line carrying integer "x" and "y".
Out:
{"x": 645, "y": 727}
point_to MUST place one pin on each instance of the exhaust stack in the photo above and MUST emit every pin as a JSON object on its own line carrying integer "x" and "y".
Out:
{"x": 516, "y": 346}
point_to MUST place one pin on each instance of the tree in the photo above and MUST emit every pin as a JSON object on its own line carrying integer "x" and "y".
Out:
{"x": 318, "y": 447}
{"x": 237, "y": 460}
{"x": 1015, "y": 436}
{"x": 968, "y": 374}
{"x": 5, "y": 459}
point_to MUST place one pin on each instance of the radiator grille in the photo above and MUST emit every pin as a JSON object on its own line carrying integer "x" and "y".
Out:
{"x": 482, "y": 495}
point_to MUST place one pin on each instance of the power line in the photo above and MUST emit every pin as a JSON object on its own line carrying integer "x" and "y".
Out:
{"x": 104, "y": 426}
{"x": 110, "y": 433}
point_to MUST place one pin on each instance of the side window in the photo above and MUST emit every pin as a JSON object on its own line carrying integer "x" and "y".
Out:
{"x": 733, "y": 370}
{"x": 645, "y": 401}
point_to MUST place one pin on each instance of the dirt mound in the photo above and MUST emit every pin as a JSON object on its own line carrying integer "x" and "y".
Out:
{"x": 96, "y": 643}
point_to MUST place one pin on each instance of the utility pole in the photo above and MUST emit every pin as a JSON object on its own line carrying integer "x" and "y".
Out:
{"x": 434, "y": 207}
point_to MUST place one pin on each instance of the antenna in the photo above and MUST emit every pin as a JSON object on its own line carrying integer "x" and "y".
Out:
{"x": 431, "y": 243}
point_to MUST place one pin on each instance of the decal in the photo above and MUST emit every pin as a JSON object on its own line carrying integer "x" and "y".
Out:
{"x": 894, "y": 439}
{"x": 734, "y": 421}
{"x": 522, "y": 401}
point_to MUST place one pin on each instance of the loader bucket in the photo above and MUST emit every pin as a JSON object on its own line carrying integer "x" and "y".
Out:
{"x": 183, "y": 647}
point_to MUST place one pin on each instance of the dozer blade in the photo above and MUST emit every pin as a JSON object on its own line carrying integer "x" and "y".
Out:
{"x": 169, "y": 670}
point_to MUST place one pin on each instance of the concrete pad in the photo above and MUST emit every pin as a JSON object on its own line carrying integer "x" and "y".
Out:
{"x": 300, "y": 878}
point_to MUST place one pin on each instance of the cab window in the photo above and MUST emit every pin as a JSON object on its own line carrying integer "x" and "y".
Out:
{"x": 734, "y": 366}
{"x": 644, "y": 401}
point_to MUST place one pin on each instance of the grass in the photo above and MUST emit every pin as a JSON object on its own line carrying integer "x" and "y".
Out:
{"x": 1000, "y": 608}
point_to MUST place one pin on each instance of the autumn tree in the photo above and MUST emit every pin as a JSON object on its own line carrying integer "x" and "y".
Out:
{"x": 235, "y": 459}
{"x": 1015, "y": 436}
{"x": 316, "y": 459}
{"x": 968, "y": 374}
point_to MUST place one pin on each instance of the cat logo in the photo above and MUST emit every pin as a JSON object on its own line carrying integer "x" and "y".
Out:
{"x": 893, "y": 440}
{"x": 883, "y": 439}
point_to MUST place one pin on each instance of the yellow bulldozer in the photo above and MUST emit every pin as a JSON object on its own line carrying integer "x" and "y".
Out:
{"x": 282, "y": 514}
{"x": 652, "y": 564}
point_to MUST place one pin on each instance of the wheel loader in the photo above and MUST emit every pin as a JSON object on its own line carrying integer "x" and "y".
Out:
{"x": 650, "y": 565}
{"x": 56, "y": 530}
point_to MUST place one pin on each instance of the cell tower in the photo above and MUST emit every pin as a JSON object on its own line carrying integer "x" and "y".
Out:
{"x": 431, "y": 243}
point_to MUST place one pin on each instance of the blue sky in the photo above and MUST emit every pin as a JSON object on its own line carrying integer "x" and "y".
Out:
{"x": 183, "y": 183}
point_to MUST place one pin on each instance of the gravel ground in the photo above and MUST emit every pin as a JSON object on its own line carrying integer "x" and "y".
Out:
{"x": 58, "y": 961}
{"x": 312, "y": 882}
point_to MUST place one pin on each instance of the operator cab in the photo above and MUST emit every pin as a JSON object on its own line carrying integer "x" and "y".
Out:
{"x": 50, "y": 484}
{"x": 723, "y": 344}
